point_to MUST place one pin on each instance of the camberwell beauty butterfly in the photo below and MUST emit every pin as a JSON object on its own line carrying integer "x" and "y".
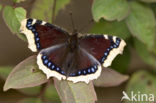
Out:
{"x": 70, "y": 56}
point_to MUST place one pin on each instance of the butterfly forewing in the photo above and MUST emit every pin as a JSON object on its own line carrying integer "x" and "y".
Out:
{"x": 103, "y": 47}
{"x": 41, "y": 35}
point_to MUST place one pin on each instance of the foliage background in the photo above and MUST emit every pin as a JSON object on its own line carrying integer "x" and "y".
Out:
{"x": 137, "y": 26}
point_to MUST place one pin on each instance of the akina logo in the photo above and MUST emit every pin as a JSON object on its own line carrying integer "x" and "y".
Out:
{"x": 142, "y": 97}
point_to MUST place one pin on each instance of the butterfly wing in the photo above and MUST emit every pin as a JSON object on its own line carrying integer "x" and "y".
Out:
{"x": 82, "y": 64}
{"x": 59, "y": 62}
{"x": 94, "y": 51}
{"x": 103, "y": 47}
{"x": 56, "y": 60}
{"x": 41, "y": 35}
{"x": 50, "y": 61}
{"x": 87, "y": 68}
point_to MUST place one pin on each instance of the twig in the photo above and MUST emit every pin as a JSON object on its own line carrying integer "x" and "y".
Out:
{"x": 53, "y": 10}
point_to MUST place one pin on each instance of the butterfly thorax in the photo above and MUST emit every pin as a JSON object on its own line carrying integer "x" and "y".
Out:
{"x": 73, "y": 42}
{"x": 69, "y": 59}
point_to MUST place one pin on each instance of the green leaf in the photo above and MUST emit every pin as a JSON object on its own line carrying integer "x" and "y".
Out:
{"x": 110, "y": 78}
{"x": 30, "y": 91}
{"x": 121, "y": 62}
{"x": 4, "y": 72}
{"x": 12, "y": 17}
{"x": 75, "y": 93}
{"x": 111, "y": 28}
{"x": 20, "y": 13}
{"x": 31, "y": 100}
{"x": 145, "y": 55}
{"x": 141, "y": 22}
{"x": 25, "y": 74}
{"x": 43, "y": 9}
{"x": 51, "y": 94}
{"x": 142, "y": 82}
{"x": 110, "y": 9}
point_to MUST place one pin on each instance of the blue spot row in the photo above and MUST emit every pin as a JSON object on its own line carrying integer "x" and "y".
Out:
{"x": 89, "y": 70}
{"x": 29, "y": 21}
{"x": 113, "y": 45}
{"x": 32, "y": 28}
{"x": 118, "y": 40}
{"x": 50, "y": 65}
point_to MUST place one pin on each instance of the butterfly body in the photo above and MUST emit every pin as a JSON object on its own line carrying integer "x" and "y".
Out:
{"x": 73, "y": 42}
{"x": 70, "y": 56}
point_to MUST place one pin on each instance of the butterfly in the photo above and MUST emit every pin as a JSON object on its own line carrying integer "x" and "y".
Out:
{"x": 70, "y": 56}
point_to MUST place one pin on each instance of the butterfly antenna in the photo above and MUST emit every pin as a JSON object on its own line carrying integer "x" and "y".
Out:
{"x": 72, "y": 21}
{"x": 84, "y": 27}
{"x": 71, "y": 17}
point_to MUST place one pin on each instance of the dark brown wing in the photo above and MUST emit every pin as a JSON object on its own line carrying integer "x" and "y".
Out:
{"x": 59, "y": 62}
{"x": 103, "y": 47}
{"x": 41, "y": 35}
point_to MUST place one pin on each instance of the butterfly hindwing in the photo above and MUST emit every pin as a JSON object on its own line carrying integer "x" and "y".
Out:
{"x": 49, "y": 61}
{"x": 103, "y": 47}
{"x": 59, "y": 62}
{"x": 88, "y": 67}
{"x": 41, "y": 34}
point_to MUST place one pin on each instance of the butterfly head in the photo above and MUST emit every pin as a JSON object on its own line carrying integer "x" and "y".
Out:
{"x": 73, "y": 41}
